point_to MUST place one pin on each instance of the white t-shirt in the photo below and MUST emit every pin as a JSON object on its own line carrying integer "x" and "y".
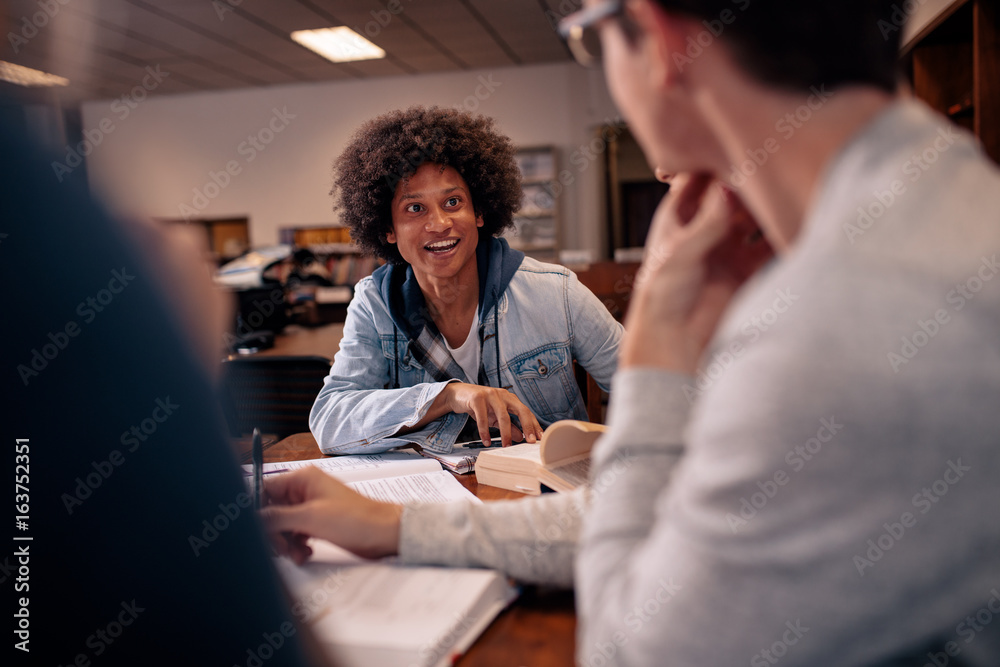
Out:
{"x": 467, "y": 355}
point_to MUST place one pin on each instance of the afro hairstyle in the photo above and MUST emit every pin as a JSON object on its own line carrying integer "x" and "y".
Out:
{"x": 387, "y": 150}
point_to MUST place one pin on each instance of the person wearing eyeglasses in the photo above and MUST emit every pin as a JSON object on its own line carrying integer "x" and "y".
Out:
{"x": 802, "y": 454}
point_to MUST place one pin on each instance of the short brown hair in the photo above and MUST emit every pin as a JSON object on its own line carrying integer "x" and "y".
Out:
{"x": 797, "y": 44}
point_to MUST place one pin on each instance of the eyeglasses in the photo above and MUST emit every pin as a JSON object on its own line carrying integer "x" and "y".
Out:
{"x": 579, "y": 29}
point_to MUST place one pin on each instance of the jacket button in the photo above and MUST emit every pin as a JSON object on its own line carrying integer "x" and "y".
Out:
{"x": 542, "y": 368}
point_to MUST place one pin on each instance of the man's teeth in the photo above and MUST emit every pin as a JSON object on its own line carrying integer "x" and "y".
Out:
{"x": 442, "y": 245}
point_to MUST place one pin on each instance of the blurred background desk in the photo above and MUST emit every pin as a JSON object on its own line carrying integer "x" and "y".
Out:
{"x": 274, "y": 389}
{"x": 537, "y": 629}
{"x": 323, "y": 340}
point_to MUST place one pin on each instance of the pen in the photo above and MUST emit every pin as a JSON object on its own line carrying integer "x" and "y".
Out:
{"x": 257, "y": 453}
{"x": 273, "y": 471}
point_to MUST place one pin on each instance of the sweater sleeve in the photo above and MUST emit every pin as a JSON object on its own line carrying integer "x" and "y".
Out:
{"x": 532, "y": 539}
{"x": 798, "y": 524}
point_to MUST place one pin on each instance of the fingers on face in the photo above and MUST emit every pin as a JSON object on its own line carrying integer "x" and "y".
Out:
{"x": 686, "y": 194}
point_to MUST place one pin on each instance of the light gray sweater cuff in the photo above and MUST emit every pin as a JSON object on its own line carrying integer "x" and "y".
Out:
{"x": 532, "y": 539}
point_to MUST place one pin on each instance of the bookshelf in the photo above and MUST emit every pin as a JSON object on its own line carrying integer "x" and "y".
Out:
{"x": 536, "y": 223}
{"x": 951, "y": 53}
{"x": 346, "y": 266}
{"x": 333, "y": 248}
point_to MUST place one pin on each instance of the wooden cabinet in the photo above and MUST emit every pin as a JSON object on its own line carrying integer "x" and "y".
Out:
{"x": 951, "y": 52}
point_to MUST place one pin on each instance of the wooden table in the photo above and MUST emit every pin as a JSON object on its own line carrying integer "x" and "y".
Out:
{"x": 323, "y": 340}
{"x": 536, "y": 630}
{"x": 297, "y": 340}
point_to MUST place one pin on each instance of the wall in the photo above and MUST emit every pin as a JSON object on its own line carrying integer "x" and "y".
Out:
{"x": 158, "y": 159}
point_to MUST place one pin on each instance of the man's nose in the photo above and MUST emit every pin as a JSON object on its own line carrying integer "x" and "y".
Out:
{"x": 438, "y": 221}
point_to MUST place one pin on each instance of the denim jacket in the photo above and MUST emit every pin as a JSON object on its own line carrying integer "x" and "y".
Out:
{"x": 546, "y": 320}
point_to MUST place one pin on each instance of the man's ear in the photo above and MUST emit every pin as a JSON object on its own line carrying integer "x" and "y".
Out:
{"x": 479, "y": 220}
{"x": 390, "y": 237}
{"x": 664, "y": 40}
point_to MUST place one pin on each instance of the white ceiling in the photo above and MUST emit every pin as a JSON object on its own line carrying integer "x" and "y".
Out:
{"x": 105, "y": 46}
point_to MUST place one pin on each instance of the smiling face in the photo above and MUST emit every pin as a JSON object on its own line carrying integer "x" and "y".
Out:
{"x": 434, "y": 225}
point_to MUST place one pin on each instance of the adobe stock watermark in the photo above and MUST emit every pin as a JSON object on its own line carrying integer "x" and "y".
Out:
{"x": 132, "y": 439}
{"x": 104, "y": 637}
{"x": 797, "y": 459}
{"x": 316, "y": 601}
{"x": 271, "y": 643}
{"x": 381, "y": 18}
{"x": 586, "y": 154}
{"x": 604, "y": 652}
{"x": 927, "y": 330}
{"x": 304, "y": 609}
{"x": 786, "y": 127}
{"x": 7, "y": 569}
{"x": 483, "y": 91}
{"x": 703, "y": 40}
{"x": 583, "y": 156}
{"x": 212, "y": 528}
{"x": 435, "y": 651}
{"x": 967, "y": 629}
{"x": 249, "y": 149}
{"x": 565, "y": 8}
{"x": 564, "y": 527}
{"x": 914, "y": 167}
{"x": 901, "y": 13}
{"x": 925, "y": 500}
{"x": 752, "y": 329}
{"x": 409, "y": 163}
{"x": 792, "y": 635}
{"x": 88, "y": 310}
{"x": 30, "y": 26}
{"x": 121, "y": 107}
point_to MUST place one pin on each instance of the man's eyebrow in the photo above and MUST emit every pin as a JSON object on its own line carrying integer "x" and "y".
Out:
{"x": 420, "y": 195}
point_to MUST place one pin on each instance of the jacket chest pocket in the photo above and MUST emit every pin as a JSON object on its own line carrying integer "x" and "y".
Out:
{"x": 545, "y": 377}
{"x": 410, "y": 372}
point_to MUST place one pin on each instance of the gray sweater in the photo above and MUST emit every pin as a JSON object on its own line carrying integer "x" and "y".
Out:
{"x": 824, "y": 491}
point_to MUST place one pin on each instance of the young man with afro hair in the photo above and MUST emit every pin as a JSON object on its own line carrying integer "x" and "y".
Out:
{"x": 458, "y": 332}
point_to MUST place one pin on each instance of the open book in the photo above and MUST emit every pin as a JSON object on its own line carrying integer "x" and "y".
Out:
{"x": 392, "y": 477}
{"x": 560, "y": 461}
{"x": 368, "y": 613}
{"x": 461, "y": 459}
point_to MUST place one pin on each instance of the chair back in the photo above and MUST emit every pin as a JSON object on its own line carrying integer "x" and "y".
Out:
{"x": 272, "y": 393}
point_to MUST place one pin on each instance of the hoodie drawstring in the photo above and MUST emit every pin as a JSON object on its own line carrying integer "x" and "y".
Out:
{"x": 496, "y": 335}
{"x": 395, "y": 357}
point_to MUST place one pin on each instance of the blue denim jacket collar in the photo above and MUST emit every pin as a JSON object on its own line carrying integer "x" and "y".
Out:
{"x": 497, "y": 264}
